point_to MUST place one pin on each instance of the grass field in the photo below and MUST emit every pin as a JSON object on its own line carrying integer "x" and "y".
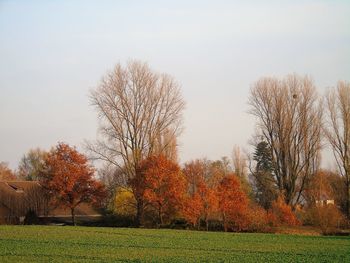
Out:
{"x": 90, "y": 244}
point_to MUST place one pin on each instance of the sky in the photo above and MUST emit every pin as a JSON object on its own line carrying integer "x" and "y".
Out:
{"x": 52, "y": 53}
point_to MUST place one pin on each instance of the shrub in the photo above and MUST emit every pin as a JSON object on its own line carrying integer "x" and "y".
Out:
{"x": 327, "y": 217}
{"x": 282, "y": 214}
{"x": 258, "y": 219}
{"x": 31, "y": 218}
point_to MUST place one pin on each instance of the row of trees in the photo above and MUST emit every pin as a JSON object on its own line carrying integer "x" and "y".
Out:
{"x": 141, "y": 112}
{"x": 204, "y": 193}
{"x": 292, "y": 123}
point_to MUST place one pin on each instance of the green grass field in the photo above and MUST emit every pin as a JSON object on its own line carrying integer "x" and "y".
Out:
{"x": 91, "y": 244}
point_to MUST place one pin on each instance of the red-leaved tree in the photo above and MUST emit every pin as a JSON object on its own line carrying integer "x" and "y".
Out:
{"x": 164, "y": 185}
{"x": 192, "y": 209}
{"x": 201, "y": 204}
{"x": 201, "y": 200}
{"x": 68, "y": 179}
{"x": 233, "y": 204}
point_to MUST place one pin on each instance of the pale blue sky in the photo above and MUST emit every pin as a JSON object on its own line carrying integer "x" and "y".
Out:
{"x": 53, "y": 52}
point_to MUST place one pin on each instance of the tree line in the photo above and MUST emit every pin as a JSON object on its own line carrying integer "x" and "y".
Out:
{"x": 140, "y": 118}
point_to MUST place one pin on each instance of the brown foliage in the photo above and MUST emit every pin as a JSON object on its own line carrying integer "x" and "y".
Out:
{"x": 320, "y": 188}
{"x": 327, "y": 217}
{"x": 5, "y": 173}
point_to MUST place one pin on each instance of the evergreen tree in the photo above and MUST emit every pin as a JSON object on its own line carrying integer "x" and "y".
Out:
{"x": 264, "y": 180}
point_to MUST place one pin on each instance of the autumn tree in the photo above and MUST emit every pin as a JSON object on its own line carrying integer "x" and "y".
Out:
{"x": 124, "y": 202}
{"x": 289, "y": 120}
{"x": 6, "y": 173}
{"x": 218, "y": 169}
{"x": 209, "y": 201}
{"x": 201, "y": 202}
{"x": 69, "y": 179}
{"x": 324, "y": 186}
{"x": 113, "y": 179}
{"x": 31, "y": 164}
{"x": 233, "y": 203}
{"x": 337, "y": 130}
{"x": 195, "y": 171}
{"x": 140, "y": 114}
{"x": 319, "y": 188}
{"x": 164, "y": 185}
{"x": 192, "y": 209}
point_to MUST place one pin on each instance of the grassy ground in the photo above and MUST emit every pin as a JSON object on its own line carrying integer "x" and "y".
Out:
{"x": 89, "y": 244}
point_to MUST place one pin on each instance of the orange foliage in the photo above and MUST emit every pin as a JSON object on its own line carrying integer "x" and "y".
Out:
{"x": 194, "y": 172}
{"x": 233, "y": 204}
{"x": 164, "y": 185}
{"x": 282, "y": 214}
{"x": 69, "y": 180}
{"x": 202, "y": 200}
{"x": 209, "y": 201}
{"x": 257, "y": 219}
{"x": 192, "y": 209}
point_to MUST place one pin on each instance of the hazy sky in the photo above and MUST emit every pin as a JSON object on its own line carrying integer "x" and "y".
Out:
{"x": 53, "y": 52}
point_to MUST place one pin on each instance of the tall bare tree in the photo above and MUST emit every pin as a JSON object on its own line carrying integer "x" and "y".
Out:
{"x": 239, "y": 161}
{"x": 289, "y": 118}
{"x": 337, "y": 130}
{"x": 136, "y": 107}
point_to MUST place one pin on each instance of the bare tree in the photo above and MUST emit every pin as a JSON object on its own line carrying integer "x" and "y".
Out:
{"x": 31, "y": 164}
{"x": 337, "y": 131}
{"x": 289, "y": 118}
{"x": 136, "y": 107}
{"x": 239, "y": 161}
{"x": 37, "y": 200}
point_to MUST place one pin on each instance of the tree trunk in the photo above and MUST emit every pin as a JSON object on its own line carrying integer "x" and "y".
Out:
{"x": 73, "y": 216}
{"x": 160, "y": 215}
{"x": 139, "y": 213}
{"x": 224, "y": 222}
{"x": 348, "y": 199}
{"x": 206, "y": 222}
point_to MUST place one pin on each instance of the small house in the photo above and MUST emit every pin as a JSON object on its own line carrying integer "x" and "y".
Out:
{"x": 20, "y": 200}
